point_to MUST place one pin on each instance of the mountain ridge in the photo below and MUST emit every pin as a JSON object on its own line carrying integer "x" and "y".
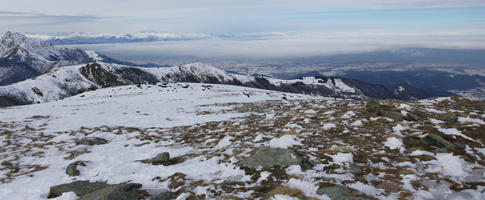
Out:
{"x": 67, "y": 81}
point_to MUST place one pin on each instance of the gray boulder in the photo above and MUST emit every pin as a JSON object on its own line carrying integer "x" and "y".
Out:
{"x": 269, "y": 157}
{"x": 372, "y": 105}
{"x": 164, "y": 196}
{"x": 72, "y": 170}
{"x": 413, "y": 117}
{"x": 79, "y": 188}
{"x": 337, "y": 192}
{"x": 437, "y": 141}
{"x": 91, "y": 141}
{"x": 123, "y": 191}
{"x": 162, "y": 158}
{"x": 390, "y": 114}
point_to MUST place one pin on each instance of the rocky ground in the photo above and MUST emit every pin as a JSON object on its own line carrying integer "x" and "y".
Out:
{"x": 281, "y": 148}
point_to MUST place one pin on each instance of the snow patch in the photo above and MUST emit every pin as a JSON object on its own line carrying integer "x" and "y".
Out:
{"x": 394, "y": 143}
{"x": 284, "y": 141}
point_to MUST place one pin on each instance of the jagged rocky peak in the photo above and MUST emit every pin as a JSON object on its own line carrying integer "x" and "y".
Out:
{"x": 12, "y": 40}
{"x": 22, "y": 57}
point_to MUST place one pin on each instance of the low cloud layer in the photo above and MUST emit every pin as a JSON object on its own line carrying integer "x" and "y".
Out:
{"x": 293, "y": 46}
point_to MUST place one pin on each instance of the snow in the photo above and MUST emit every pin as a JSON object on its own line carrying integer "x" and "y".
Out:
{"x": 421, "y": 152}
{"x": 140, "y": 107}
{"x": 284, "y": 142}
{"x": 328, "y": 126}
{"x": 404, "y": 106}
{"x": 448, "y": 164}
{"x": 394, "y": 143}
{"x": 67, "y": 196}
{"x": 398, "y": 129}
{"x": 282, "y": 197}
{"x": 339, "y": 84}
{"x": 348, "y": 115}
{"x": 94, "y": 55}
{"x": 454, "y": 131}
{"x": 294, "y": 169}
{"x": 471, "y": 120}
{"x": 357, "y": 123}
{"x": 433, "y": 110}
{"x": 435, "y": 121}
{"x": 341, "y": 158}
{"x": 226, "y": 141}
{"x": 263, "y": 176}
{"x": 129, "y": 106}
{"x": 308, "y": 188}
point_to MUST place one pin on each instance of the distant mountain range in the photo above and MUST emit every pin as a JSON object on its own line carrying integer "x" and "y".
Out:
{"x": 64, "y": 82}
{"x": 66, "y": 38}
{"x": 24, "y": 58}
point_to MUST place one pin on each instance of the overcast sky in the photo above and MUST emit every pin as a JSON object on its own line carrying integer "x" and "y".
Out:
{"x": 461, "y": 22}
{"x": 224, "y": 16}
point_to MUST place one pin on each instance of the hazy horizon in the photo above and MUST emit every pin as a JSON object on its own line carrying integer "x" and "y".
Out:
{"x": 260, "y": 29}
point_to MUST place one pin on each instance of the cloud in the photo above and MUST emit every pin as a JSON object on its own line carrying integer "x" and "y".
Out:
{"x": 15, "y": 20}
{"x": 292, "y": 46}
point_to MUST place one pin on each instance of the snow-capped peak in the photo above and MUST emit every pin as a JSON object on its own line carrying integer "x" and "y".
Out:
{"x": 94, "y": 55}
{"x": 39, "y": 49}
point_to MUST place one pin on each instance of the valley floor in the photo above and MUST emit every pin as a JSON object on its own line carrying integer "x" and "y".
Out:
{"x": 216, "y": 135}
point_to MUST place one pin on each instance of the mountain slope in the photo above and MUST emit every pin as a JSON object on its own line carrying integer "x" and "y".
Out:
{"x": 215, "y": 139}
{"x": 67, "y": 81}
{"x": 22, "y": 57}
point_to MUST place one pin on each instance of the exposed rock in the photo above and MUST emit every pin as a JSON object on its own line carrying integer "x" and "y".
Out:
{"x": 162, "y": 158}
{"x": 441, "y": 150}
{"x": 372, "y": 105}
{"x": 80, "y": 188}
{"x": 269, "y": 157}
{"x": 413, "y": 117}
{"x": 337, "y": 192}
{"x": 164, "y": 196}
{"x": 123, "y": 191}
{"x": 72, "y": 170}
{"x": 450, "y": 118}
{"x": 437, "y": 141}
{"x": 390, "y": 114}
{"x": 334, "y": 192}
{"x": 354, "y": 168}
{"x": 91, "y": 141}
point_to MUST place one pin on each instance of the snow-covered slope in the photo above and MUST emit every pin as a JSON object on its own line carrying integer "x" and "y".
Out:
{"x": 67, "y": 81}
{"x": 22, "y": 57}
{"x": 211, "y": 132}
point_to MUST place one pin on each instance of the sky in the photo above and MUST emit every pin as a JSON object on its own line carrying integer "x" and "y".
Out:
{"x": 448, "y": 23}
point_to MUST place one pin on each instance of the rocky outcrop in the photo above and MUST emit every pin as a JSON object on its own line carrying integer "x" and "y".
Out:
{"x": 98, "y": 190}
{"x": 270, "y": 157}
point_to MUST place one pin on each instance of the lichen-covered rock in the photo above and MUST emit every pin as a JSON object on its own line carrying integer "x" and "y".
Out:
{"x": 164, "y": 196}
{"x": 270, "y": 157}
{"x": 372, "y": 105}
{"x": 162, "y": 158}
{"x": 413, "y": 117}
{"x": 390, "y": 114}
{"x": 437, "y": 141}
{"x": 337, "y": 192}
{"x": 72, "y": 170}
{"x": 309, "y": 125}
{"x": 123, "y": 191}
{"x": 79, "y": 188}
{"x": 91, "y": 141}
